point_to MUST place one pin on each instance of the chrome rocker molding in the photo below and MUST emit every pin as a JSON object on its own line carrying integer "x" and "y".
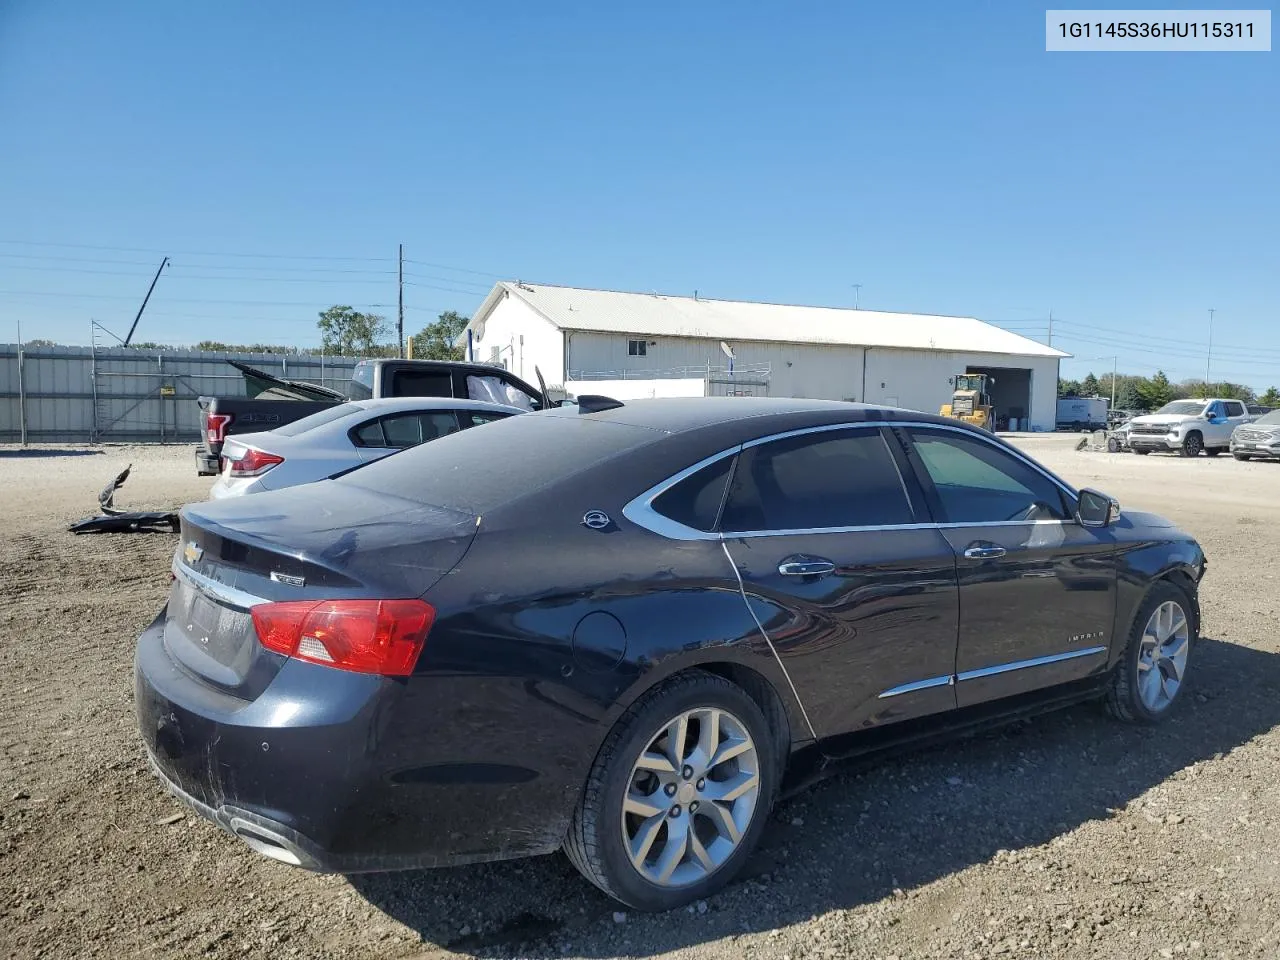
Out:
{"x": 640, "y": 510}
{"x": 1000, "y": 668}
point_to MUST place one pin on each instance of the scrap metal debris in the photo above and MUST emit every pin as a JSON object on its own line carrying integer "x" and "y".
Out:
{"x": 114, "y": 520}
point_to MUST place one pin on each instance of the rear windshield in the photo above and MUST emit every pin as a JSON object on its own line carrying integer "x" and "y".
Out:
{"x": 479, "y": 470}
{"x": 319, "y": 419}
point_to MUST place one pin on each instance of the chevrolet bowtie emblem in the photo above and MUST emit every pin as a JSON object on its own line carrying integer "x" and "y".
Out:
{"x": 192, "y": 553}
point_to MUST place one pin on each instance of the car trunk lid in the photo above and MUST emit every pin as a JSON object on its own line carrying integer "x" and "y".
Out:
{"x": 315, "y": 542}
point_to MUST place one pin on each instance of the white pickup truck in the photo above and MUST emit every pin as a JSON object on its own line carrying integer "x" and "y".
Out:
{"x": 1190, "y": 427}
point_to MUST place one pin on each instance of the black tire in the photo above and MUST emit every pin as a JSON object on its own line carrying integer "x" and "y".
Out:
{"x": 595, "y": 844}
{"x": 1242, "y": 456}
{"x": 1113, "y": 445}
{"x": 1122, "y": 700}
{"x": 1193, "y": 445}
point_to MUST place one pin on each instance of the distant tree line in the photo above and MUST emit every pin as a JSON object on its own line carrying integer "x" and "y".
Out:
{"x": 1150, "y": 393}
{"x": 344, "y": 331}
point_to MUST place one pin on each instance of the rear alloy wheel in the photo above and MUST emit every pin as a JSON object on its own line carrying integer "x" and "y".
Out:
{"x": 1151, "y": 676}
{"x": 1193, "y": 445}
{"x": 678, "y": 795}
{"x": 1241, "y": 456}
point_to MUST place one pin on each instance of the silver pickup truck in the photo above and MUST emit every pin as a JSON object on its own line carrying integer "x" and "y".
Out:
{"x": 1190, "y": 427}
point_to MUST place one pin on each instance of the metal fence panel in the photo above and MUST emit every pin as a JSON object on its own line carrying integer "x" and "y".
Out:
{"x": 88, "y": 394}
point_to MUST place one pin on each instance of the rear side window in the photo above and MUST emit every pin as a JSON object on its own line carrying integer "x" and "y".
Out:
{"x": 1235, "y": 408}
{"x": 422, "y": 383}
{"x": 845, "y": 478}
{"x": 407, "y": 429}
{"x": 695, "y": 500}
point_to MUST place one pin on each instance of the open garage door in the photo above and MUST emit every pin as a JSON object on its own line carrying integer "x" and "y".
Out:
{"x": 1010, "y": 395}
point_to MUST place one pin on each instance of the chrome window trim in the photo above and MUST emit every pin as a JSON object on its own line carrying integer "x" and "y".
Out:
{"x": 639, "y": 510}
{"x": 219, "y": 591}
{"x": 915, "y": 685}
{"x": 1025, "y": 664}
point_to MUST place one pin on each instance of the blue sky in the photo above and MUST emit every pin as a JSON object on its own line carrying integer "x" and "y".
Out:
{"x": 933, "y": 153}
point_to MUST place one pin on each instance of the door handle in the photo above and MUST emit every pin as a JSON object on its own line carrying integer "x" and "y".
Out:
{"x": 984, "y": 551}
{"x": 806, "y": 568}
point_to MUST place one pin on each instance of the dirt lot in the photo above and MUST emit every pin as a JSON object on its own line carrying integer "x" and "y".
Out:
{"x": 1066, "y": 836}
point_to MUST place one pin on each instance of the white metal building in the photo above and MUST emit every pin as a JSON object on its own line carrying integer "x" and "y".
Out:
{"x": 899, "y": 359}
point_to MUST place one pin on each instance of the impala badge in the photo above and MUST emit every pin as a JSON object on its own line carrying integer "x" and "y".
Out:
{"x": 192, "y": 553}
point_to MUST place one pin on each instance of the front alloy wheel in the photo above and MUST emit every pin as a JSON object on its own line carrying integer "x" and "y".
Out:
{"x": 1150, "y": 678}
{"x": 1162, "y": 656}
{"x": 1192, "y": 446}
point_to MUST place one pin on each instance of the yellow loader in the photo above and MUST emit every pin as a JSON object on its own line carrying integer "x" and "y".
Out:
{"x": 970, "y": 402}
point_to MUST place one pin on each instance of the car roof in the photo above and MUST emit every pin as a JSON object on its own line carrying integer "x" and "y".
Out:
{"x": 681, "y": 414}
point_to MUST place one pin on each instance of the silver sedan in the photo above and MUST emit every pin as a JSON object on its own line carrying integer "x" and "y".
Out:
{"x": 342, "y": 437}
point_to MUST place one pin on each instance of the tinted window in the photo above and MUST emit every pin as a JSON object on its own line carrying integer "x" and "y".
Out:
{"x": 360, "y": 387}
{"x": 695, "y": 500}
{"x": 480, "y": 470}
{"x": 370, "y": 434}
{"x": 423, "y": 383}
{"x": 828, "y": 479}
{"x": 1235, "y": 408}
{"x": 337, "y": 412}
{"x": 980, "y": 483}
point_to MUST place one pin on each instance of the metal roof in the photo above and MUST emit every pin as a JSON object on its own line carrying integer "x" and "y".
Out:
{"x": 654, "y": 314}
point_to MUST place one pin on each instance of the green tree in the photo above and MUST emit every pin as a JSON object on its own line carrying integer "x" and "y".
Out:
{"x": 1089, "y": 386}
{"x": 435, "y": 340}
{"x": 350, "y": 333}
{"x": 1068, "y": 388}
{"x": 39, "y": 342}
{"x": 1156, "y": 392}
{"x": 1128, "y": 397}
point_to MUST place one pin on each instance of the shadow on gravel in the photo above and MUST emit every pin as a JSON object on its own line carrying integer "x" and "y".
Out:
{"x": 857, "y": 837}
{"x": 25, "y": 454}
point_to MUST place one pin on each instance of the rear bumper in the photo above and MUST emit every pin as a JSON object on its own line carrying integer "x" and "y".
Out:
{"x": 340, "y": 772}
{"x": 206, "y": 463}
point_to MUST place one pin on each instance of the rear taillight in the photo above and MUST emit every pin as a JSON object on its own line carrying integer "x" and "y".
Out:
{"x": 252, "y": 463}
{"x": 364, "y": 636}
{"x": 215, "y": 426}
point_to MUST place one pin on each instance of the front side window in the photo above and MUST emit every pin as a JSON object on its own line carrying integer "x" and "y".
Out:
{"x": 978, "y": 482}
{"x": 637, "y": 348}
{"x": 832, "y": 478}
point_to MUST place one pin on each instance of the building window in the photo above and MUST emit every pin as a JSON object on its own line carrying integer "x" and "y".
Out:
{"x": 637, "y": 348}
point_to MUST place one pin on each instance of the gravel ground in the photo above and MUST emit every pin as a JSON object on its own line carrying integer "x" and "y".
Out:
{"x": 1067, "y": 836}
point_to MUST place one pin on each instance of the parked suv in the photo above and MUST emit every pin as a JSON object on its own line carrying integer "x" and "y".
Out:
{"x": 1189, "y": 427}
{"x": 1261, "y": 438}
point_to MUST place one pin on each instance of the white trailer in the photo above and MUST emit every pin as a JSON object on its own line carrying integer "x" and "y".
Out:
{"x": 1082, "y": 413}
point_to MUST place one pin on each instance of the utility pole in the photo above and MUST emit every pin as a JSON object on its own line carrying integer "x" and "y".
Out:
{"x": 1051, "y": 326}
{"x": 857, "y": 294}
{"x": 400, "y": 321}
{"x": 1208, "y": 359}
{"x": 1115, "y": 372}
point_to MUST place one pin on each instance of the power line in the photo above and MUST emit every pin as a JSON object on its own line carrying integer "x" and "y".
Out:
{"x": 443, "y": 266}
{"x": 195, "y": 253}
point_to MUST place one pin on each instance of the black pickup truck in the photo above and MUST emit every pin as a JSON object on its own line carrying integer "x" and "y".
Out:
{"x": 274, "y": 401}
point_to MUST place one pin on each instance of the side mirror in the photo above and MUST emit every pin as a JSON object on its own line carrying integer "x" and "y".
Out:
{"x": 1097, "y": 509}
